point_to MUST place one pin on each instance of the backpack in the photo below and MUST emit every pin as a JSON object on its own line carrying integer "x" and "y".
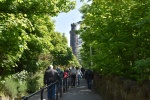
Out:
{"x": 60, "y": 72}
{"x": 90, "y": 74}
{"x": 65, "y": 74}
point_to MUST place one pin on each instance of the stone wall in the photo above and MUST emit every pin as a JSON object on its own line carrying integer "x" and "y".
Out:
{"x": 115, "y": 88}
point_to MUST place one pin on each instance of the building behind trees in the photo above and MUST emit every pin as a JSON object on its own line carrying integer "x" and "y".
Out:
{"x": 74, "y": 39}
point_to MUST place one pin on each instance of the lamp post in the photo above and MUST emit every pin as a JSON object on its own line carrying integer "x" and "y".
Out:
{"x": 91, "y": 55}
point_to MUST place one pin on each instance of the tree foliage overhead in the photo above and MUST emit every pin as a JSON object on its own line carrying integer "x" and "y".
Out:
{"x": 27, "y": 32}
{"x": 118, "y": 33}
{"x": 62, "y": 54}
{"x": 52, "y": 7}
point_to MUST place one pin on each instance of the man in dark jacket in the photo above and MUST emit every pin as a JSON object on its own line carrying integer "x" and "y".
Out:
{"x": 83, "y": 71}
{"x": 89, "y": 75}
{"x": 50, "y": 77}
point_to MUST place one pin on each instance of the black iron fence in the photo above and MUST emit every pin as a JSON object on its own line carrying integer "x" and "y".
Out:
{"x": 63, "y": 88}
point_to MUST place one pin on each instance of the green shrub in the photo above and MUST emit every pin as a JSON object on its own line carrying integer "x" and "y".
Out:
{"x": 21, "y": 83}
{"x": 10, "y": 87}
{"x": 14, "y": 85}
{"x": 34, "y": 82}
{"x": 22, "y": 89}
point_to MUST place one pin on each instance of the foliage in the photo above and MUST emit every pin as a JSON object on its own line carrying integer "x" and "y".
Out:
{"x": 62, "y": 54}
{"x": 75, "y": 61}
{"x": 52, "y": 7}
{"x": 14, "y": 85}
{"x": 26, "y": 31}
{"x": 34, "y": 82}
{"x": 39, "y": 44}
{"x": 118, "y": 33}
{"x": 141, "y": 69}
{"x": 11, "y": 87}
{"x": 27, "y": 42}
{"x": 12, "y": 33}
{"x": 20, "y": 83}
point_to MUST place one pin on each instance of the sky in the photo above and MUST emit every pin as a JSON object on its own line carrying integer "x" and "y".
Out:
{"x": 64, "y": 20}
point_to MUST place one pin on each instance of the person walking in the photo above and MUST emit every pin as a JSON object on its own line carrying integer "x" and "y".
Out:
{"x": 51, "y": 76}
{"x": 78, "y": 75}
{"x": 73, "y": 75}
{"x": 60, "y": 72}
{"x": 65, "y": 77}
{"x": 83, "y": 72}
{"x": 89, "y": 75}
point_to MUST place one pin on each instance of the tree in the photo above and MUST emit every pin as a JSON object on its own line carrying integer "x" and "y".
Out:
{"x": 62, "y": 54}
{"x": 118, "y": 33}
{"x": 25, "y": 32}
{"x": 51, "y": 7}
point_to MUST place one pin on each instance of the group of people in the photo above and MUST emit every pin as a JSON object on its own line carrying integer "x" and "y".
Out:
{"x": 77, "y": 73}
{"x": 52, "y": 75}
{"x": 57, "y": 74}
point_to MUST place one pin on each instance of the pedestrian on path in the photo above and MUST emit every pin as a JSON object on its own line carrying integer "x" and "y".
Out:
{"x": 60, "y": 72}
{"x": 89, "y": 75}
{"x": 73, "y": 75}
{"x": 78, "y": 75}
{"x": 65, "y": 76}
{"x": 83, "y": 72}
{"x": 50, "y": 77}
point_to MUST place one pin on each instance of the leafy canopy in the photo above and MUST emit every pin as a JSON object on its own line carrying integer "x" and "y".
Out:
{"x": 26, "y": 33}
{"x": 118, "y": 33}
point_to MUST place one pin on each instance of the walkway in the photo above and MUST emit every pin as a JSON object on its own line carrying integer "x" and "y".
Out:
{"x": 76, "y": 93}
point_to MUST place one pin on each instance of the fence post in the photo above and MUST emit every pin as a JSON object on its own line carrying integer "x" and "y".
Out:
{"x": 64, "y": 89}
{"x": 68, "y": 81}
{"x": 60, "y": 89}
{"x": 42, "y": 94}
{"x": 66, "y": 84}
{"x": 57, "y": 92}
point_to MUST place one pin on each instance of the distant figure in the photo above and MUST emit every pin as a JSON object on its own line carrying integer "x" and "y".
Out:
{"x": 89, "y": 75}
{"x": 60, "y": 72}
{"x": 83, "y": 72}
{"x": 78, "y": 75}
{"x": 73, "y": 75}
{"x": 51, "y": 76}
{"x": 65, "y": 76}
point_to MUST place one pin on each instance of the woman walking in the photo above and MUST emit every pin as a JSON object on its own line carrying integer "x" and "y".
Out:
{"x": 78, "y": 75}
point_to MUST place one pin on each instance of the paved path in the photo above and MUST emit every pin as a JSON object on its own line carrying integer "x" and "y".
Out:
{"x": 76, "y": 93}
{"x": 80, "y": 93}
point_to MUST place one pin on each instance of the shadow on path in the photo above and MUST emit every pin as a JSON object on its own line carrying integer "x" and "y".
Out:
{"x": 81, "y": 93}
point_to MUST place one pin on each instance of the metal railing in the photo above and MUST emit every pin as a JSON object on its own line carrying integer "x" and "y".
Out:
{"x": 64, "y": 87}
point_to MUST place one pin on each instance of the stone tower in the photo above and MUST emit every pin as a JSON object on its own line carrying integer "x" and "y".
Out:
{"x": 73, "y": 39}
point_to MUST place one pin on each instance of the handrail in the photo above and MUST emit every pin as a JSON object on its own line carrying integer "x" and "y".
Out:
{"x": 65, "y": 88}
{"x": 41, "y": 90}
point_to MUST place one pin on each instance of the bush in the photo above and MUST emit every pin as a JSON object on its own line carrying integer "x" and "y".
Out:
{"x": 14, "y": 85}
{"x": 22, "y": 89}
{"x": 10, "y": 87}
{"x": 34, "y": 82}
{"x": 19, "y": 84}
